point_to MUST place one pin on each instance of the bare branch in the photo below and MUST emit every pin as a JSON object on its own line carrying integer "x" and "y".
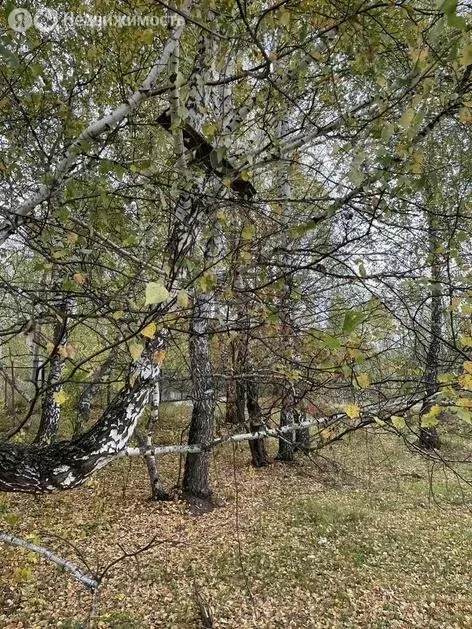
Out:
{"x": 86, "y": 580}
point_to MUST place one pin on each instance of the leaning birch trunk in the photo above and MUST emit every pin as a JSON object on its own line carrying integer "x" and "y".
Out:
{"x": 67, "y": 464}
{"x": 428, "y": 436}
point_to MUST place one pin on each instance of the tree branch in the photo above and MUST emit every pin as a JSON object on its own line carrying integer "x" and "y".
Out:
{"x": 13, "y": 219}
{"x": 84, "y": 579}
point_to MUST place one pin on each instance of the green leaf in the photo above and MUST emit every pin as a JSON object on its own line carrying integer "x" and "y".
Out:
{"x": 9, "y": 57}
{"x": 300, "y": 230}
{"x": 448, "y": 6}
{"x": 431, "y": 418}
{"x": 156, "y": 293}
{"x": 398, "y": 422}
{"x": 105, "y": 166}
{"x": 11, "y": 518}
{"x": 356, "y": 176}
{"x": 183, "y": 299}
{"x": 407, "y": 118}
{"x": 248, "y": 232}
{"x": 363, "y": 380}
{"x": 207, "y": 282}
{"x": 465, "y": 58}
{"x": 456, "y": 21}
{"x": 387, "y": 131}
{"x": 147, "y": 36}
{"x": 332, "y": 342}
{"x": 352, "y": 319}
{"x": 463, "y": 414}
{"x": 136, "y": 350}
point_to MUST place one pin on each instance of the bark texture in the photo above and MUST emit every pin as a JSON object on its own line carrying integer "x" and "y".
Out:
{"x": 145, "y": 441}
{"x": 236, "y": 388}
{"x": 428, "y": 437}
{"x": 67, "y": 464}
{"x": 260, "y": 458}
{"x": 286, "y": 450}
{"x": 197, "y": 465}
{"x": 51, "y": 409}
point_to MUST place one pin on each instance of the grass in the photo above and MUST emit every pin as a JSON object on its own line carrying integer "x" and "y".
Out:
{"x": 369, "y": 536}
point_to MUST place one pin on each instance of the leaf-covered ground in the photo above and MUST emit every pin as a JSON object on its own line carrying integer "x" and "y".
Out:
{"x": 367, "y": 537}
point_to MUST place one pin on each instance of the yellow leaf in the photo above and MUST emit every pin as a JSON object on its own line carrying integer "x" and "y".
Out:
{"x": 33, "y": 538}
{"x": 159, "y": 356}
{"x": 57, "y": 255}
{"x": 183, "y": 299}
{"x": 465, "y": 115}
{"x": 135, "y": 350}
{"x": 398, "y": 422}
{"x": 363, "y": 380}
{"x": 210, "y": 128}
{"x": 147, "y": 36}
{"x": 431, "y": 418}
{"x": 468, "y": 366}
{"x": 326, "y": 434}
{"x": 466, "y": 381}
{"x": 465, "y": 341}
{"x": 248, "y": 232}
{"x": 417, "y": 164}
{"x": 455, "y": 303}
{"x": 72, "y": 238}
{"x": 352, "y": 411}
{"x": 79, "y": 278}
{"x": 117, "y": 314}
{"x": 465, "y": 58}
{"x": 22, "y": 574}
{"x": 465, "y": 402}
{"x": 245, "y": 256}
{"x": 150, "y": 331}
{"x": 71, "y": 351}
{"x": 407, "y": 118}
{"x": 60, "y": 397}
{"x": 156, "y": 293}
